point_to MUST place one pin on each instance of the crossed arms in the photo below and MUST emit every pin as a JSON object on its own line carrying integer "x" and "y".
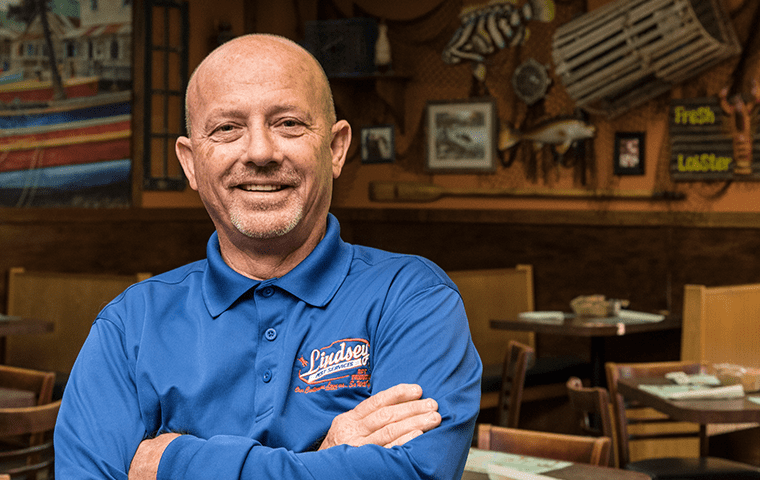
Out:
{"x": 391, "y": 417}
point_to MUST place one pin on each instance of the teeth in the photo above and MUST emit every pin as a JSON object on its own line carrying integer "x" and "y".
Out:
{"x": 260, "y": 188}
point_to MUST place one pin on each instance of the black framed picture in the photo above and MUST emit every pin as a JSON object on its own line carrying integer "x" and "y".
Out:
{"x": 378, "y": 144}
{"x": 629, "y": 153}
{"x": 461, "y": 136}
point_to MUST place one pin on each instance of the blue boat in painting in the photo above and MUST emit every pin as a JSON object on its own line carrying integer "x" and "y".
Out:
{"x": 20, "y": 187}
{"x": 72, "y": 152}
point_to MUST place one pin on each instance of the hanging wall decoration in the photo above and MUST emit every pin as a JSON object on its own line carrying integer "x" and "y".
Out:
{"x": 530, "y": 81}
{"x": 378, "y": 144}
{"x": 618, "y": 56}
{"x": 461, "y": 136}
{"x": 629, "y": 153}
{"x": 714, "y": 138}
{"x": 494, "y": 26}
{"x": 560, "y": 133}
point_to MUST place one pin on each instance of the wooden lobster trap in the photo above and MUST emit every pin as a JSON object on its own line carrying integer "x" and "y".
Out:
{"x": 629, "y": 51}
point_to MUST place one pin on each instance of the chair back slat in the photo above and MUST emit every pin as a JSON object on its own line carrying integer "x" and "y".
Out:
{"x": 517, "y": 361}
{"x": 34, "y": 457}
{"x": 591, "y": 406}
{"x": 41, "y": 383}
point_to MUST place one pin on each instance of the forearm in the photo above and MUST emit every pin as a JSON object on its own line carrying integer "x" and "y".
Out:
{"x": 225, "y": 457}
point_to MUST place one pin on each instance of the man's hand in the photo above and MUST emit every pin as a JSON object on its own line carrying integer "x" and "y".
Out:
{"x": 391, "y": 417}
{"x": 144, "y": 464}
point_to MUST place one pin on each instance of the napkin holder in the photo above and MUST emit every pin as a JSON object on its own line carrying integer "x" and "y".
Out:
{"x": 729, "y": 374}
{"x": 597, "y": 306}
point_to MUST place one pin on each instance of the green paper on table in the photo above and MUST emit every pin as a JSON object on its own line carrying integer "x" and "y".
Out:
{"x": 684, "y": 392}
{"x": 484, "y": 461}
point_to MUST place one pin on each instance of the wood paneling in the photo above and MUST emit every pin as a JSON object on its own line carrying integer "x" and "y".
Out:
{"x": 100, "y": 241}
{"x": 645, "y": 260}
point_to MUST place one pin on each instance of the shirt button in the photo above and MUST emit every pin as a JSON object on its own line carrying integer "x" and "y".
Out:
{"x": 267, "y": 376}
{"x": 270, "y": 334}
{"x": 267, "y": 291}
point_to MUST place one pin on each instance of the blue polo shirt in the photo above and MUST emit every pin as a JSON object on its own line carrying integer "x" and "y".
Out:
{"x": 254, "y": 372}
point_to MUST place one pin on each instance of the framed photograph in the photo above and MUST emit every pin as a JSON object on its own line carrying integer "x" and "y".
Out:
{"x": 629, "y": 153}
{"x": 461, "y": 136}
{"x": 378, "y": 144}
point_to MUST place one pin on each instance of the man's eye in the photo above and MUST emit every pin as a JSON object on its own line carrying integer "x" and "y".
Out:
{"x": 290, "y": 123}
{"x": 225, "y": 128}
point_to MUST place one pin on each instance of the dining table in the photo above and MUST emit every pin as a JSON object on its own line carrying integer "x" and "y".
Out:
{"x": 597, "y": 328}
{"x": 527, "y": 467}
{"x": 743, "y": 409}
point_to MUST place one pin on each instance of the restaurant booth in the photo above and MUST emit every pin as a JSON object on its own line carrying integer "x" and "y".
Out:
{"x": 610, "y": 147}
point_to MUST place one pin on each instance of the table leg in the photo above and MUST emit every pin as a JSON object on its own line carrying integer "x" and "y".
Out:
{"x": 597, "y": 362}
{"x": 704, "y": 441}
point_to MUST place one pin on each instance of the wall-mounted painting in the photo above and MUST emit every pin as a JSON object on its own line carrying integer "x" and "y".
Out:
{"x": 461, "y": 136}
{"x": 378, "y": 144}
{"x": 629, "y": 153}
{"x": 65, "y": 132}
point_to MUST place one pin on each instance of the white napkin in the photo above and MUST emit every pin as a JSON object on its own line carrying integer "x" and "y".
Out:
{"x": 632, "y": 315}
{"x": 543, "y": 317}
{"x": 728, "y": 391}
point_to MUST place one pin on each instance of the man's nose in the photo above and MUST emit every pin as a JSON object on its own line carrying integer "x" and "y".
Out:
{"x": 262, "y": 146}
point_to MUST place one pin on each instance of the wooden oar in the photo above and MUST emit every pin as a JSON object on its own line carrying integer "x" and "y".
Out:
{"x": 384, "y": 191}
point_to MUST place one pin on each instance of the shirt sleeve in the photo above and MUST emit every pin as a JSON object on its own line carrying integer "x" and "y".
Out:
{"x": 423, "y": 339}
{"x": 99, "y": 399}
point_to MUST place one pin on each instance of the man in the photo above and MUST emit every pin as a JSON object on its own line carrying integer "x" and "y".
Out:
{"x": 287, "y": 353}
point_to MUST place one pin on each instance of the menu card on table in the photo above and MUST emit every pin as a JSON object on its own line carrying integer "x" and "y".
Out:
{"x": 500, "y": 465}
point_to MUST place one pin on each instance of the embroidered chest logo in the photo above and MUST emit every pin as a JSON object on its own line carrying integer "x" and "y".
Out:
{"x": 343, "y": 363}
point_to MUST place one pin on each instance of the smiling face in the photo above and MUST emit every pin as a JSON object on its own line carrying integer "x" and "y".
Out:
{"x": 264, "y": 146}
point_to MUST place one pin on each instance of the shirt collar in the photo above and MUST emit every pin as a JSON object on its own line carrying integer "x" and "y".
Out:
{"x": 315, "y": 280}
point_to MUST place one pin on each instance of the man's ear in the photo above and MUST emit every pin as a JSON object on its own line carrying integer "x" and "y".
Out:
{"x": 341, "y": 140}
{"x": 184, "y": 149}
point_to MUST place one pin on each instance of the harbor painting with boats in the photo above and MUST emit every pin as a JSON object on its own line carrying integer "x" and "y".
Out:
{"x": 65, "y": 133}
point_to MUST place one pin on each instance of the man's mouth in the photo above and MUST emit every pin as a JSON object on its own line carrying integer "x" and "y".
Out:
{"x": 261, "y": 188}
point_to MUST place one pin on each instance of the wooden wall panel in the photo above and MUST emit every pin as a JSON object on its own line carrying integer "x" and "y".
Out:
{"x": 647, "y": 264}
{"x": 103, "y": 241}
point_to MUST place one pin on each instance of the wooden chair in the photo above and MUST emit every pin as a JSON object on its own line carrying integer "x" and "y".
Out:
{"x": 494, "y": 293}
{"x": 716, "y": 323}
{"x": 663, "y": 467}
{"x": 24, "y": 387}
{"x": 71, "y": 301}
{"x": 556, "y": 446}
{"x": 518, "y": 359}
{"x": 591, "y": 406}
{"x": 31, "y": 459}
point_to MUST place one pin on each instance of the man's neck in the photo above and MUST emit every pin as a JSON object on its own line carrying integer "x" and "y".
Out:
{"x": 262, "y": 259}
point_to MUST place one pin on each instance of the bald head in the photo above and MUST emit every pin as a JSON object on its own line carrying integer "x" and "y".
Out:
{"x": 259, "y": 50}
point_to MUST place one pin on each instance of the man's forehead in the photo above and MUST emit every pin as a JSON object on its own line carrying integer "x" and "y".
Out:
{"x": 259, "y": 69}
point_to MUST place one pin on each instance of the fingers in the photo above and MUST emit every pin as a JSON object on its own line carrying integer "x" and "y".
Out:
{"x": 416, "y": 412}
{"x": 395, "y": 395}
{"x": 402, "y": 431}
{"x": 388, "y": 418}
{"x": 404, "y": 438}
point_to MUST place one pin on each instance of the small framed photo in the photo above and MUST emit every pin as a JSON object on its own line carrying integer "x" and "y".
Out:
{"x": 461, "y": 136}
{"x": 378, "y": 144}
{"x": 629, "y": 153}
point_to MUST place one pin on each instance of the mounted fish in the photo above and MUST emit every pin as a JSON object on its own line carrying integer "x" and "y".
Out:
{"x": 485, "y": 28}
{"x": 559, "y": 132}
